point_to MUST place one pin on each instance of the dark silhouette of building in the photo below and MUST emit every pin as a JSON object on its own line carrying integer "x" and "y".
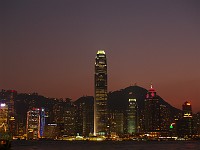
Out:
{"x": 196, "y": 118}
{"x": 164, "y": 118}
{"x": 64, "y": 112}
{"x": 58, "y": 115}
{"x": 117, "y": 123}
{"x": 100, "y": 99}
{"x": 69, "y": 120}
{"x": 85, "y": 115}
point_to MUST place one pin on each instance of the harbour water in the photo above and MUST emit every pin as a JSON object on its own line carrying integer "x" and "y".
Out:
{"x": 104, "y": 145}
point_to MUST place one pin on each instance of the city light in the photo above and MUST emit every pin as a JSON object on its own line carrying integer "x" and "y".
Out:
{"x": 3, "y": 104}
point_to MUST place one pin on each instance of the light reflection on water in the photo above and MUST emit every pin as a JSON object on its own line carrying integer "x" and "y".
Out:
{"x": 124, "y": 145}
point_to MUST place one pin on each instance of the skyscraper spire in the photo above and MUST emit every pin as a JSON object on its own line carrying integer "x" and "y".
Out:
{"x": 151, "y": 85}
{"x": 100, "y": 98}
{"x": 152, "y": 111}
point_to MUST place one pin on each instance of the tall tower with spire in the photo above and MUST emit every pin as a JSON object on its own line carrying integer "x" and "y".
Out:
{"x": 152, "y": 111}
{"x": 100, "y": 98}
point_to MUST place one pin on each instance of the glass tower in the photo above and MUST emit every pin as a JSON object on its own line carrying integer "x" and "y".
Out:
{"x": 100, "y": 101}
{"x": 185, "y": 124}
{"x": 132, "y": 115}
{"x": 152, "y": 111}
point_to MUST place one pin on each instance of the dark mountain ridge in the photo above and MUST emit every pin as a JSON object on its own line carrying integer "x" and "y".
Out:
{"x": 118, "y": 100}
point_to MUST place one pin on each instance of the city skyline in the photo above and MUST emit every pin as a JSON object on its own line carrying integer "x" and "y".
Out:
{"x": 49, "y": 47}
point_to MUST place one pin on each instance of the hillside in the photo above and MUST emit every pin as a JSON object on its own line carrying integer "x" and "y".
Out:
{"x": 118, "y": 100}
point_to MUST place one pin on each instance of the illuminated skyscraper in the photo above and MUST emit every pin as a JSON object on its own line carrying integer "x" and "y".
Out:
{"x": 11, "y": 110}
{"x": 187, "y": 110}
{"x": 42, "y": 121}
{"x": 3, "y": 117}
{"x": 185, "y": 124}
{"x": 100, "y": 101}
{"x": 33, "y": 124}
{"x": 131, "y": 114}
{"x": 8, "y": 97}
{"x": 152, "y": 112}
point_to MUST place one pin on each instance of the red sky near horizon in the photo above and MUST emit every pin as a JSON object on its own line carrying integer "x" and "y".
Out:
{"x": 49, "y": 47}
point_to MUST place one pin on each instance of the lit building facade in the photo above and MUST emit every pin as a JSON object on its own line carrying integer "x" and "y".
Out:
{"x": 8, "y": 97}
{"x": 187, "y": 110}
{"x": 3, "y": 117}
{"x": 100, "y": 98}
{"x": 185, "y": 124}
{"x": 132, "y": 115}
{"x": 11, "y": 111}
{"x": 152, "y": 112}
{"x": 51, "y": 131}
{"x": 58, "y": 115}
{"x": 42, "y": 121}
{"x": 35, "y": 123}
{"x": 58, "y": 109}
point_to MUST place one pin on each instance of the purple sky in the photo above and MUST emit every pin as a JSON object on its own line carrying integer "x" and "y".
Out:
{"x": 49, "y": 47}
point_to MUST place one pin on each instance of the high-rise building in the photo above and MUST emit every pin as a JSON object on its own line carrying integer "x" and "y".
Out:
{"x": 152, "y": 112}
{"x": 58, "y": 115}
{"x": 8, "y": 97}
{"x": 132, "y": 115}
{"x": 117, "y": 123}
{"x": 165, "y": 121}
{"x": 100, "y": 98}
{"x": 69, "y": 118}
{"x": 58, "y": 110}
{"x": 51, "y": 131}
{"x": 197, "y": 124}
{"x": 42, "y": 121}
{"x": 185, "y": 124}
{"x": 33, "y": 124}
{"x": 84, "y": 115}
{"x": 187, "y": 110}
{"x": 164, "y": 118}
{"x": 3, "y": 117}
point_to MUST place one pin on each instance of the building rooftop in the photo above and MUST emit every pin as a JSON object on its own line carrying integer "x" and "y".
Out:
{"x": 101, "y": 52}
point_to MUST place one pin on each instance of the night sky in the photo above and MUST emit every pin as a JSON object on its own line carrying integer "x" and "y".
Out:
{"x": 49, "y": 47}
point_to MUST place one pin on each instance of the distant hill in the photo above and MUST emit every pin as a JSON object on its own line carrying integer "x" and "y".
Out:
{"x": 118, "y": 100}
